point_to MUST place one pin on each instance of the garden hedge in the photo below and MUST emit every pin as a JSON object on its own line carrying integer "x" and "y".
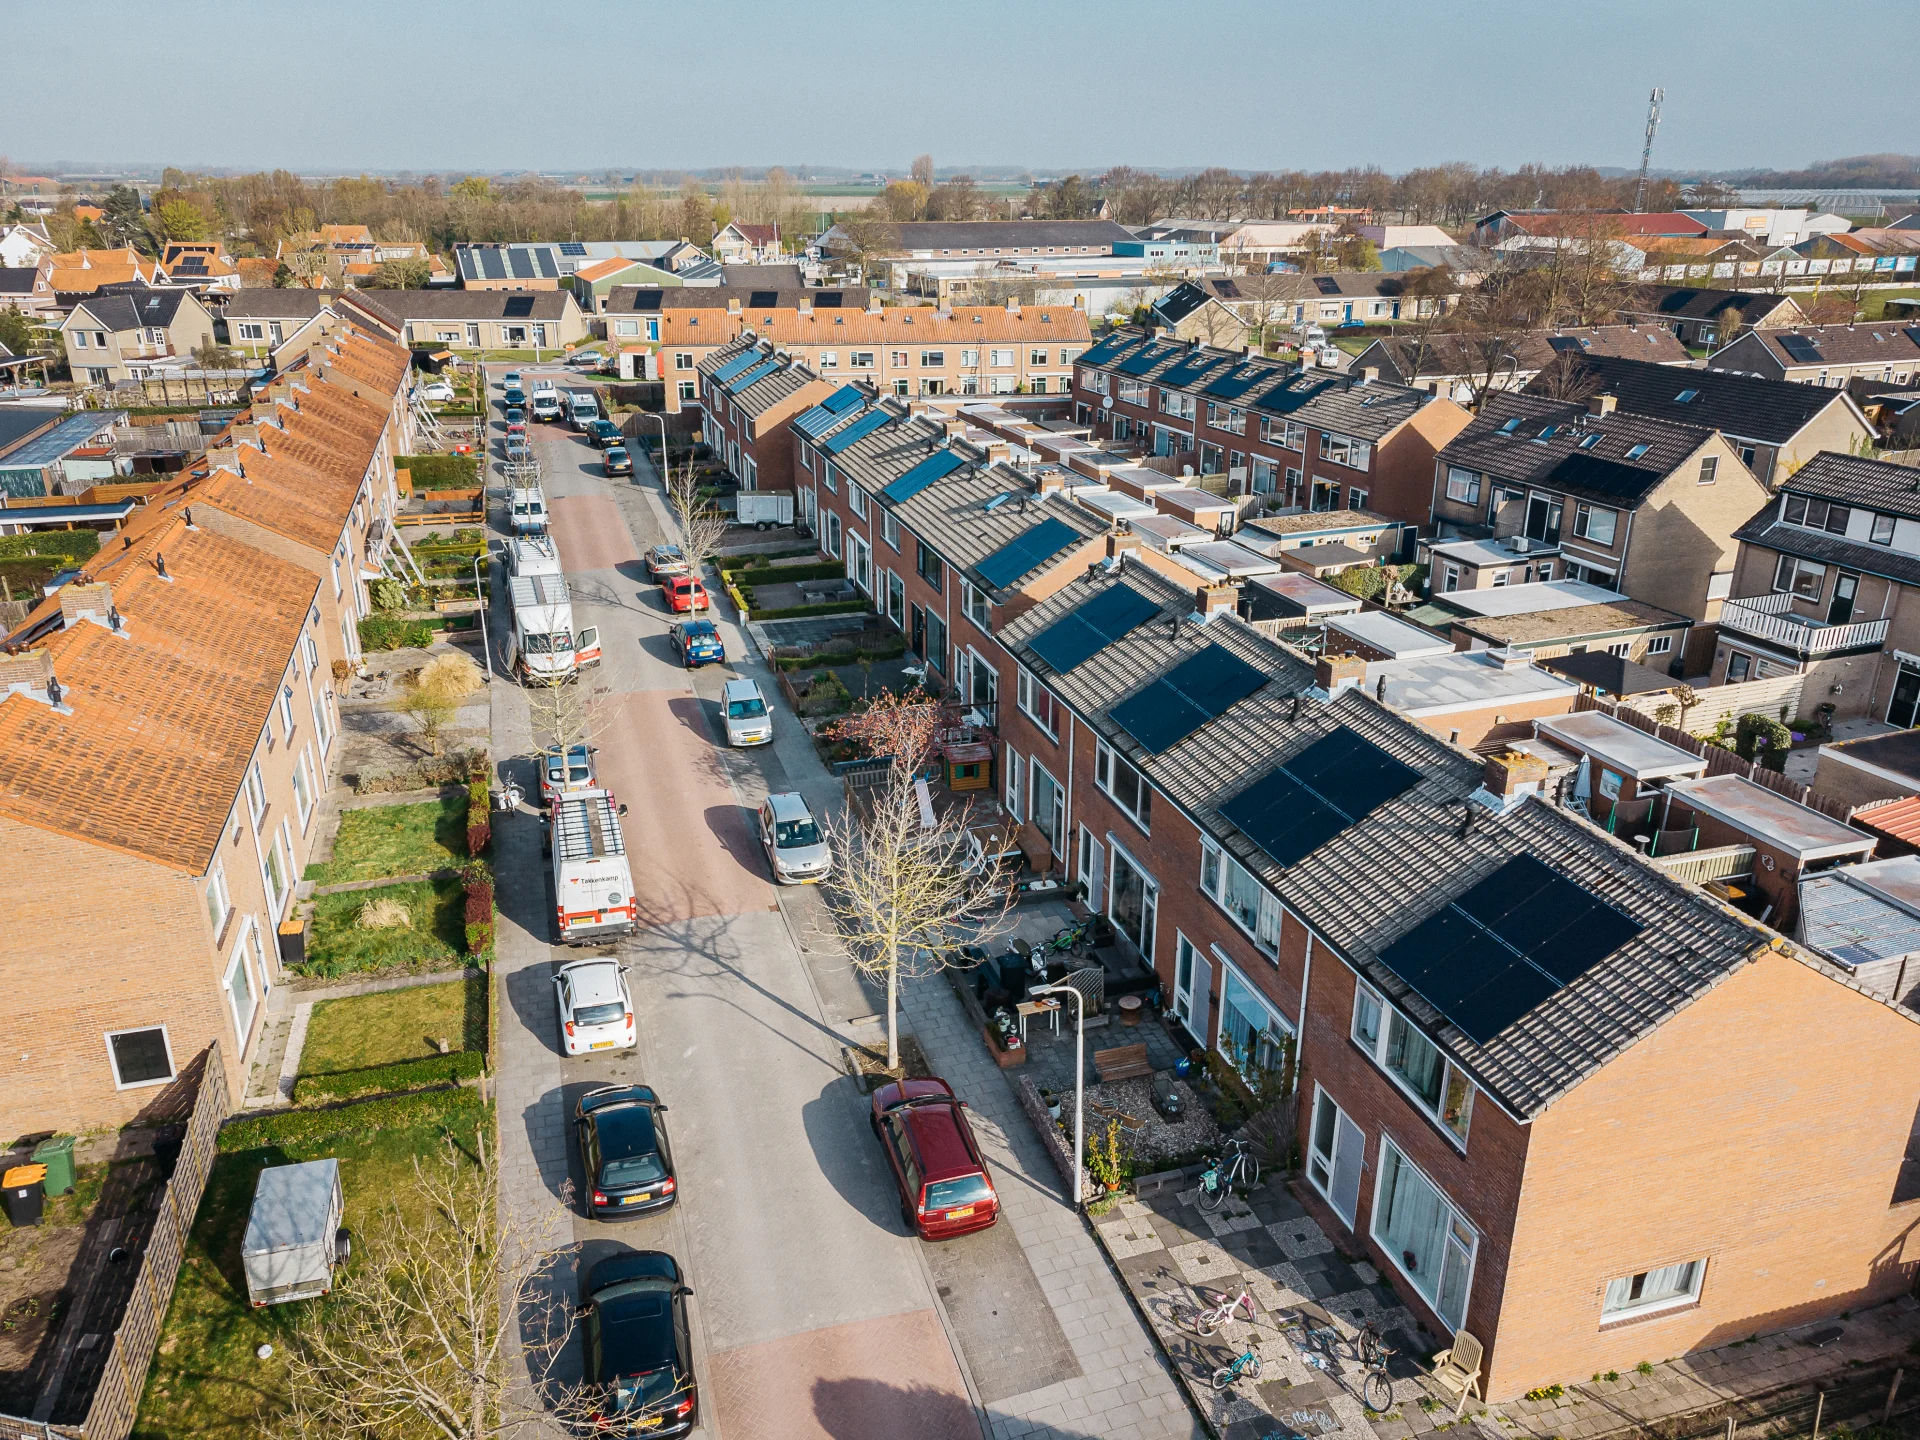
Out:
{"x": 783, "y": 574}
{"x": 479, "y": 812}
{"x": 835, "y": 607}
{"x": 453, "y": 768}
{"x": 440, "y": 472}
{"x": 479, "y": 913}
{"x": 391, "y": 1079}
{"x": 384, "y": 632}
{"x": 73, "y": 545}
{"x": 393, "y": 1112}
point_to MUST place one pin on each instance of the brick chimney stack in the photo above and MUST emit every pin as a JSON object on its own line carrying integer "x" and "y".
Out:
{"x": 1601, "y": 405}
{"x": 1334, "y": 673}
{"x": 1212, "y": 600}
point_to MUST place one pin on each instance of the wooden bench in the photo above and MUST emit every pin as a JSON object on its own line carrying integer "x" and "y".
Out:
{"x": 1123, "y": 1062}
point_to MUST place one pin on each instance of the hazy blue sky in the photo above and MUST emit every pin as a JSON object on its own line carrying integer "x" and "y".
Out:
{"x": 396, "y": 85}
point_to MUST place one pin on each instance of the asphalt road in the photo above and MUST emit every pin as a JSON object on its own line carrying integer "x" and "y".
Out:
{"x": 814, "y": 1314}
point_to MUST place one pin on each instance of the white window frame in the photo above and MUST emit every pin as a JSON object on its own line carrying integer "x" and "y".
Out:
{"x": 806, "y": 457}
{"x": 1265, "y": 929}
{"x": 856, "y": 501}
{"x": 1232, "y": 974}
{"x": 1315, "y": 1163}
{"x": 1659, "y": 645}
{"x": 1612, "y": 1313}
{"x": 217, "y": 890}
{"x": 974, "y": 604}
{"x": 1584, "y": 518}
{"x": 285, "y": 707}
{"x": 1377, "y": 1046}
{"x": 113, "y": 1064}
{"x": 1026, "y": 688}
{"x": 1105, "y": 759}
{"x": 305, "y": 795}
{"x": 1000, "y": 359}
{"x": 890, "y": 529}
{"x": 1015, "y": 789}
{"x": 1450, "y": 1236}
{"x": 269, "y": 852}
{"x": 1463, "y": 485}
{"x": 255, "y": 789}
{"x": 242, "y": 1026}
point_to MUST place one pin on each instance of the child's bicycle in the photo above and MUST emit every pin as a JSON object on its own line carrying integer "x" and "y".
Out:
{"x": 1376, "y": 1386}
{"x": 1225, "y": 1312}
{"x": 1245, "y": 1363}
{"x": 1218, "y": 1179}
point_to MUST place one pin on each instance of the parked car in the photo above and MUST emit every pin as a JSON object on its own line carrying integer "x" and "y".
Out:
{"x": 665, "y": 560}
{"x": 698, "y": 643}
{"x": 511, "y": 380}
{"x": 572, "y": 770}
{"x": 437, "y": 390}
{"x": 586, "y": 360}
{"x": 944, "y": 1186}
{"x": 603, "y": 433}
{"x": 596, "y": 1012}
{"x": 744, "y": 708}
{"x": 516, "y": 417}
{"x": 517, "y": 452}
{"x": 624, "y": 1151}
{"x": 514, "y": 396}
{"x": 516, "y": 430}
{"x": 617, "y": 461}
{"x": 639, "y": 1351}
{"x": 797, "y": 852}
{"x": 684, "y": 593}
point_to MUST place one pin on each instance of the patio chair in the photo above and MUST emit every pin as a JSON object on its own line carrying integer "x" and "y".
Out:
{"x": 1457, "y": 1370}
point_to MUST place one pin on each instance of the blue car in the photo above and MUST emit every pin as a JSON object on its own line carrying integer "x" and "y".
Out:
{"x": 698, "y": 643}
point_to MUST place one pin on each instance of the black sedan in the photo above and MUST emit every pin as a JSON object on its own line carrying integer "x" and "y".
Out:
{"x": 639, "y": 1356}
{"x": 617, "y": 460}
{"x": 625, "y": 1151}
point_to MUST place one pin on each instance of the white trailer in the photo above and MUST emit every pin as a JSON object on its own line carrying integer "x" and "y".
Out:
{"x": 763, "y": 509}
{"x": 592, "y": 885}
{"x": 542, "y": 648}
{"x": 294, "y": 1236}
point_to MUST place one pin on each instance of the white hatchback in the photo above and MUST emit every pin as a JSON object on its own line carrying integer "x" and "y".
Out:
{"x": 744, "y": 708}
{"x": 596, "y": 1012}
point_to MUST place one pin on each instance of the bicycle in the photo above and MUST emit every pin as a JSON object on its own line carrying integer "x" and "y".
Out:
{"x": 1318, "y": 1342}
{"x": 1217, "y": 1182}
{"x": 1245, "y": 1363}
{"x": 1376, "y": 1387}
{"x": 1069, "y": 939}
{"x": 1207, "y": 1321}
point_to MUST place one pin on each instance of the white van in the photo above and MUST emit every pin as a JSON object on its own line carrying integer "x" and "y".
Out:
{"x": 592, "y": 884}
{"x": 744, "y": 709}
{"x": 582, "y": 409}
{"x": 533, "y": 555}
{"x": 528, "y": 509}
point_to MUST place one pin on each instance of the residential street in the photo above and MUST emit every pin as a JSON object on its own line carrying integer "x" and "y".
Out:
{"x": 814, "y": 1312}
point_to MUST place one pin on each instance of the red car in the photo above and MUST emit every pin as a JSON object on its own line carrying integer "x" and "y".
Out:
{"x": 684, "y": 593}
{"x": 944, "y": 1186}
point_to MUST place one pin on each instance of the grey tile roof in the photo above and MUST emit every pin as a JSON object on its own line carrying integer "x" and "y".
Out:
{"x": 132, "y": 309}
{"x": 1867, "y": 484}
{"x": 792, "y": 376}
{"x": 396, "y": 307}
{"x": 1602, "y": 470}
{"x": 1360, "y": 891}
{"x": 17, "y": 279}
{"x": 1682, "y": 302}
{"x": 266, "y": 303}
{"x": 1767, "y": 532}
{"x": 1747, "y": 407}
{"x": 621, "y": 299}
{"x": 1006, "y": 234}
{"x": 1860, "y": 344}
{"x": 763, "y": 277}
{"x": 1531, "y": 350}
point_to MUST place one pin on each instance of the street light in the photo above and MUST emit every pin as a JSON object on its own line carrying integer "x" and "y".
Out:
{"x": 484, "y": 590}
{"x": 661, "y": 468}
{"x": 1079, "y": 1071}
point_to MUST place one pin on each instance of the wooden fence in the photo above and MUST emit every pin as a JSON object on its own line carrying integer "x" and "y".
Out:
{"x": 1729, "y": 702}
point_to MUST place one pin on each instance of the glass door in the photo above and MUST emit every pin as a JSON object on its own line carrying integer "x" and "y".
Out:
{"x": 1133, "y": 903}
{"x": 1906, "y": 698}
{"x": 1049, "y": 801}
{"x": 1334, "y": 1158}
{"x": 1092, "y": 869}
{"x": 1192, "y": 984}
{"x": 1845, "y": 588}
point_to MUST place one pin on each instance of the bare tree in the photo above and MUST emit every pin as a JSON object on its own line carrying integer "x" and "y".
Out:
{"x": 900, "y": 890}
{"x": 564, "y": 716}
{"x": 701, "y": 524}
{"x": 416, "y": 1336}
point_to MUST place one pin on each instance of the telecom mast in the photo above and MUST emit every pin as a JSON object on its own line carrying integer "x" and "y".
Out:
{"x": 1646, "y": 154}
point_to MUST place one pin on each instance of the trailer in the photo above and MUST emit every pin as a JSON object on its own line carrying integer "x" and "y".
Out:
{"x": 763, "y": 509}
{"x": 294, "y": 1236}
{"x": 593, "y": 894}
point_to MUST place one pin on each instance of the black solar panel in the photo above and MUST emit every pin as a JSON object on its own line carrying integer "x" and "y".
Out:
{"x": 1799, "y": 348}
{"x": 1191, "y": 369}
{"x": 1335, "y": 782}
{"x": 1107, "y": 349}
{"x": 1515, "y": 939}
{"x": 1143, "y": 359}
{"x": 1326, "y": 284}
{"x": 828, "y": 299}
{"x": 1291, "y": 394}
{"x": 543, "y": 257}
{"x": 521, "y": 263}
{"x": 1605, "y": 477}
{"x": 1079, "y": 635}
{"x": 492, "y": 265}
{"x": 1196, "y": 690}
{"x": 646, "y": 300}
{"x": 573, "y": 248}
{"x": 1237, "y": 381}
{"x": 1913, "y": 333}
{"x": 518, "y": 305}
{"x": 1018, "y": 556}
{"x": 763, "y": 299}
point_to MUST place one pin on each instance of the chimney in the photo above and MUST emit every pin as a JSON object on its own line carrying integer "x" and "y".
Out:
{"x": 1369, "y": 374}
{"x": 1212, "y": 600}
{"x": 1508, "y": 779}
{"x": 733, "y": 305}
{"x": 954, "y": 429}
{"x": 997, "y": 451}
{"x": 1334, "y": 673}
{"x": 1119, "y": 544}
{"x": 917, "y": 408}
{"x": 225, "y": 457}
{"x": 1013, "y": 305}
{"x": 806, "y": 305}
{"x": 30, "y": 674}
{"x": 1601, "y": 405}
{"x": 873, "y": 303}
{"x": 1050, "y": 482}
{"x": 1509, "y": 658}
{"x": 247, "y": 434}
{"x": 88, "y": 602}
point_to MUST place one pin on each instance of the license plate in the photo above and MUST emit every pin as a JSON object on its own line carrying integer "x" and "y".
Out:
{"x": 635, "y": 1199}
{"x": 601, "y": 1045}
{"x": 960, "y": 1214}
{"x": 652, "y": 1422}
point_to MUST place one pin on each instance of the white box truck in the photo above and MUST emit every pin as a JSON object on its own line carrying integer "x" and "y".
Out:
{"x": 294, "y": 1236}
{"x": 593, "y": 896}
{"x": 542, "y": 648}
{"x": 582, "y": 408}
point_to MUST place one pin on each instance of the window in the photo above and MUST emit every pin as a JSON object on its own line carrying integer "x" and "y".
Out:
{"x": 1435, "y": 1085}
{"x": 1707, "y": 466}
{"x": 140, "y": 1057}
{"x": 1252, "y": 1033}
{"x": 1036, "y": 357}
{"x": 857, "y": 501}
{"x": 933, "y": 359}
{"x": 859, "y": 561}
{"x": 240, "y": 997}
{"x": 806, "y": 457}
{"x": 936, "y": 652}
{"x": 1133, "y": 902}
{"x": 899, "y": 359}
{"x": 1133, "y": 392}
{"x": 1000, "y": 358}
{"x": 900, "y": 387}
{"x": 1014, "y": 806}
{"x": 1037, "y": 703}
{"x": 1659, "y": 645}
{"x": 1595, "y": 523}
{"x": 1181, "y": 407}
{"x": 256, "y": 792}
{"x": 1357, "y": 499}
{"x": 253, "y": 332}
{"x": 1256, "y": 911}
{"x": 1463, "y": 485}
{"x": 1817, "y": 515}
{"x": 1288, "y": 434}
{"x": 827, "y": 477}
{"x": 686, "y": 391}
{"x": 219, "y": 902}
{"x": 969, "y": 357}
{"x": 1039, "y": 385}
{"x": 829, "y": 360}
{"x": 276, "y": 871}
{"x": 626, "y": 327}
{"x": 79, "y": 339}
{"x": 1334, "y": 1156}
{"x": 1746, "y": 456}
{"x": 1449, "y": 578}
{"x": 833, "y": 534}
{"x": 1634, "y": 452}
{"x": 683, "y": 359}
{"x": 1667, "y": 1288}
{"x": 1423, "y": 1235}
{"x": 1127, "y": 787}
{"x": 1800, "y": 578}
{"x": 303, "y": 787}
{"x": 889, "y": 529}
{"x": 286, "y": 711}
{"x": 1882, "y": 533}
{"x": 974, "y": 602}
{"x": 861, "y": 360}
{"x": 1354, "y": 454}
{"x": 926, "y": 564}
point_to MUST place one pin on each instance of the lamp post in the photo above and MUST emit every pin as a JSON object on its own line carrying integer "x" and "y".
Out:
{"x": 661, "y": 468}
{"x": 1079, "y": 1073}
{"x": 484, "y": 590}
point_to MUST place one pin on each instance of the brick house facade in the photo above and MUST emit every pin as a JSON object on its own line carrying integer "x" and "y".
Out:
{"x": 749, "y": 397}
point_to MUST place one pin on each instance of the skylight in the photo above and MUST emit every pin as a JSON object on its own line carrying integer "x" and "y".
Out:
{"x": 1548, "y": 433}
{"x": 1686, "y": 397}
{"x": 1590, "y": 441}
{"x": 1637, "y": 451}
{"x": 1511, "y": 426}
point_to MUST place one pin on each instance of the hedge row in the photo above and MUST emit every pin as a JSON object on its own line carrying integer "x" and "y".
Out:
{"x": 385, "y": 632}
{"x": 389, "y": 1079}
{"x": 836, "y": 607}
{"x": 76, "y": 545}
{"x": 394, "y": 1112}
{"x": 479, "y": 809}
{"x": 785, "y": 574}
{"x": 440, "y": 472}
{"x": 479, "y": 914}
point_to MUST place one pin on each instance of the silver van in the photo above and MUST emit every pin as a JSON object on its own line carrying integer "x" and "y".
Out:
{"x": 744, "y": 708}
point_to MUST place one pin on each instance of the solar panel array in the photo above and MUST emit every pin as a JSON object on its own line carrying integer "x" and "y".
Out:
{"x": 1198, "y": 689}
{"x": 646, "y": 300}
{"x": 821, "y": 418}
{"x": 1143, "y": 359}
{"x": 1191, "y": 369}
{"x": 1106, "y": 349}
{"x": 1236, "y": 382}
{"x": 1516, "y": 939}
{"x": 1026, "y": 552}
{"x": 827, "y": 299}
{"x": 936, "y": 466}
{"x": 573, "y": 248}
{"x": 1801, "y": 349}
{"x": 1080, "y": 634}
{"x": 493, "y": 265}
{"x": 520, "y": 262}
{"x": 518, "y": 305}
{"x": 753, "y": 376}
{"x": 763, "y": 299}
{"x": 858, "y": 430}
{"x": 1335, "y": 782}
{"x": 1291, "y": 394}
{"x": 1326, "y": 284}
{"x": 739, "y": 365}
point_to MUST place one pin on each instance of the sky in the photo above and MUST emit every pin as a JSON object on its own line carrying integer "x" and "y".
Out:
{"x": 595, "y": 85}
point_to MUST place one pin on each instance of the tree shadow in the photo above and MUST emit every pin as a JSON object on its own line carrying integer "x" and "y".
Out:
{"x": 869, "y": 1409}
{"x": 556, "y": 1171}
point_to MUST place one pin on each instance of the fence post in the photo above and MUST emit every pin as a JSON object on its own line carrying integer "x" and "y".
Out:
{"x": 1819, "y": 1409}
{"x": 1892, "y": 1391}
{"x": 1732, "y": 1424}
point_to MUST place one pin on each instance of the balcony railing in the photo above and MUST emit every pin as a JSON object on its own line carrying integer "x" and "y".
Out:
{"x": 1771, "y": 618}
{"x": 1697, "y": 867}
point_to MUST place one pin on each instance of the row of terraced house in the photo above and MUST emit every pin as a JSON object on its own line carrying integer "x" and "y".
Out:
{"x": 1555, "y": 1094}
{"x": 169, "y": 726}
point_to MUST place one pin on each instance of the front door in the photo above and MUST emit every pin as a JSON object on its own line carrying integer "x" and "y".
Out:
{"x": 919, "y": 645}
{"x": 1049, "y": 813}
{"x": 1092, "y": 869}
{"x": 1192, "y": 984}
{"x": 1906, "y": 698}
{"x": 1845, "y": 587}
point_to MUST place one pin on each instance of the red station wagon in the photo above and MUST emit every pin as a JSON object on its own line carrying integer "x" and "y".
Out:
{"x": 944, "y": 1186}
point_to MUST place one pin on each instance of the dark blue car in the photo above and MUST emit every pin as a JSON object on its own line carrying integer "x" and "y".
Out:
{"x": 698, "y": 643}
{"x": 624, "y": 1150}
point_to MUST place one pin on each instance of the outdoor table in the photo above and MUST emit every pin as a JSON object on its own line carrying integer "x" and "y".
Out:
{"x": 1049, "y": 1008}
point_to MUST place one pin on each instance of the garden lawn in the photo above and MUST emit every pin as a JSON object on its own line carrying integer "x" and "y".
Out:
{"x": 386, "y": 840}
{"x": 437, "y": 940}
{"x": 394, "y": 1025}
{"x": 205, "y": 1382}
